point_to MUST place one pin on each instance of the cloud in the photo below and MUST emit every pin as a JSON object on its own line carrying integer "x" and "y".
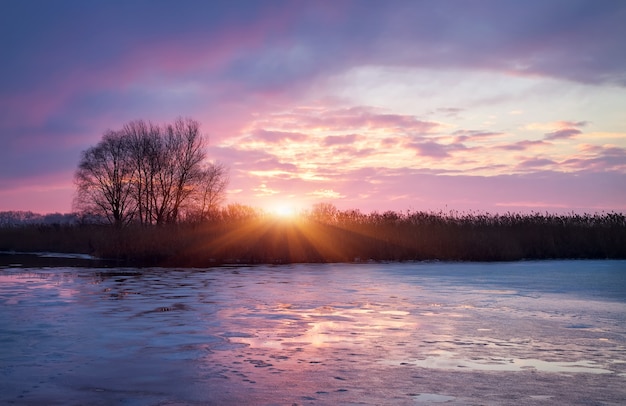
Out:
{"x": 347, "y": 119}
{"x": 430, "y": 149}
{"x": 262, "y": 190}
{"x": 390, "y": 142}
{"x": 278, "y": 136}
{"x": 434, "y": 149}
{"x": 354, "y": 153}
{"x": 555, "y": 39}
{"x": 523, "y": 145}
{"x": 535, "y": 163}
{"x": 573, "y": 123}
{"x": 474, "y": 135}
{"x": 326, "y": 194}
{"x": 565, "y": 133}
{"x": 333, "y": 140}
{"x": 555, "y": 126}
{"x": 598, "y": 159}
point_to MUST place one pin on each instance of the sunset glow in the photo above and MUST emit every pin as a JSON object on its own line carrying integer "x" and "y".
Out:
{"x": 283, "y": 211}
{"x": 485, "y": 105}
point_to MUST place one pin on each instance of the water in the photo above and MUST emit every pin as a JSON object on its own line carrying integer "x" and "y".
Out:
{"x": 550, "y": 332}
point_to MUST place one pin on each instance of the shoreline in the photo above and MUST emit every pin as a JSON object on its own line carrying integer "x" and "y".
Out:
{"x": 22, "y": 259}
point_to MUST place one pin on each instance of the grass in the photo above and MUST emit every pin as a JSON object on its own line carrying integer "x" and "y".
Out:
{"x": 346, "y": 236}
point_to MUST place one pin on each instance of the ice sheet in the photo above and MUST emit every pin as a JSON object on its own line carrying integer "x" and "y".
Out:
{"x": 550, "y": 332}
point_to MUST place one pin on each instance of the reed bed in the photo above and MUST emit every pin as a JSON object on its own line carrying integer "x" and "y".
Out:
{"x": 340, "y": 236}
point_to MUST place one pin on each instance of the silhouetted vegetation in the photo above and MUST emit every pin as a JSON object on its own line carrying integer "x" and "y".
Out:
{"x": 149, "y": 174}
{"x": 240, "y": 234}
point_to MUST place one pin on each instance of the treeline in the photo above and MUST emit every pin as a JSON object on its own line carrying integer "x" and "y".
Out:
{"x": 240, "y": 234}
{"x": 16, "y": 218}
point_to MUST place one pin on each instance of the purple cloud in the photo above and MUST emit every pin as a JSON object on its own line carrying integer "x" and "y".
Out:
{"x": 333, "y": 140}
{"x": 536, "y": 163}
{"x": 522, "y": 145}
{"x": 604, "y": 159}
{"x": 278, "y": 136}
{"x": 474, "y": 135}
{"x": 433, "y": 149}
{"x": 565, "y": 133}
{"x": 574, "y": 123}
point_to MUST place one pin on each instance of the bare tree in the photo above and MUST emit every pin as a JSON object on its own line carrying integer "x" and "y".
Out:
{"x": 209, "y": 192}
{"x": 104, "y": 180}
{"x": 150, "y": 174}
{"x": 143, "y": 139}
{"x": 235, "y": 212}
{"x": 324, "y": 213}
{"x": 186, "y": 148}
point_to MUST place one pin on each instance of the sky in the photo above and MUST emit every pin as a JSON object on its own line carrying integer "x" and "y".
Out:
{"x": 491, "y": 106}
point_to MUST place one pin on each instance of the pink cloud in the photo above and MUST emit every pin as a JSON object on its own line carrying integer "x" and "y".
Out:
{"x": 535, "y": 163}
{"x": 353, "y": 153}
{"x": 347, "y": 119}
{"x": 566, "y": 124}
{"x": 391, "y": 141}
{"x": 272, "y": 164}
{"x": 278, "y": 136}
{"x": 604, "y": 159}
{"x": 333, "y": 140}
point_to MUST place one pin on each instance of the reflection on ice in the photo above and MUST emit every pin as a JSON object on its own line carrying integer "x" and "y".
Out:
{"x": 429, "y": 398}
{"x": 316, "y": 334}
{"x": 326, "y": 325}
{"x": 450, "y": 361}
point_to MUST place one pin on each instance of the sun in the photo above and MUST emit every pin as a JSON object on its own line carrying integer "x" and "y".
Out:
{"x": 283, "y": 210}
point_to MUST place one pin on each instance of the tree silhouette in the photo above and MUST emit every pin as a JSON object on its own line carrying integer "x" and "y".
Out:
{"x": 149, "y": 174}
{"x": 104, "y": 180}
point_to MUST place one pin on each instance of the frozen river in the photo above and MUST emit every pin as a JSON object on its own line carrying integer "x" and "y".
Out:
{"x": 535, "y": 333}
